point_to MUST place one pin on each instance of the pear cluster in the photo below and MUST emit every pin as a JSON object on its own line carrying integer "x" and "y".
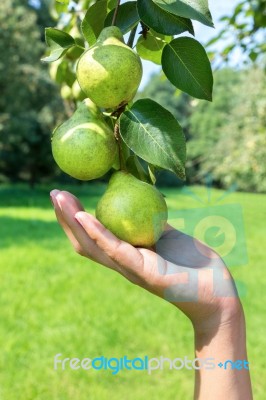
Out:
{"x": 85, "y": 146}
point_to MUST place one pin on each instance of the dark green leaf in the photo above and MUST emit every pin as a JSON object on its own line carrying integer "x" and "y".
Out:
{"x": 59, "y": 42}
{"x": 93, "y": 22}
{"x": 253, "y": 55}
{"x": 127, "y": 17}
{"x": 192, "y": 9}
{"x": 162, "y": 21}
{"x": 154, "y": 134}
{"x": 186, "y": 65}
{"x": 134, "y": 166}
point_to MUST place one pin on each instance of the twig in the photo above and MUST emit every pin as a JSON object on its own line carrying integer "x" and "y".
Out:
{"x": 115, "y": 13}
{"x": 122, "y": 163}
{"x": 132, "y": 36}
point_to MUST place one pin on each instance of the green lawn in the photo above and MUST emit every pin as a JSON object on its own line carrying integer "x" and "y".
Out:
{"x": 53, "y": 301}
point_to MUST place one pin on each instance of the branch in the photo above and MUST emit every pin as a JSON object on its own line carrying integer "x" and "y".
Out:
{"x": 115, "y": 13}
{"x": 132, "y": 36}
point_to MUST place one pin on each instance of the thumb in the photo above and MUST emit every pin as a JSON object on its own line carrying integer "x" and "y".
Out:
{"x": 122, "y": 253}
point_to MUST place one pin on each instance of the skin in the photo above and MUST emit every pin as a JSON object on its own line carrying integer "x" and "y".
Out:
{"x": 217, "y": 318}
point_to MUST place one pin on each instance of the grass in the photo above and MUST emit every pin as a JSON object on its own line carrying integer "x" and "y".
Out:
{"x": 53, "y": 301}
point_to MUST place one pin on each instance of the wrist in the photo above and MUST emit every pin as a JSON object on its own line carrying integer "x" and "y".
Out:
{"x": 223, "y": 337}
{"x": 225, "y": 345}
{"x": 227, "y": 316}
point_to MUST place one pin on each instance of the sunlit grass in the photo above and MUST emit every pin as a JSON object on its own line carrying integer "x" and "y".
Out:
{"x": 53, "y": 301}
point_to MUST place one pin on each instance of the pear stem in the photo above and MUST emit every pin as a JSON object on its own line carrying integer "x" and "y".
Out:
{"x": 132, "y": 37}
{"x": 115, "y": 13}
{"x": 120, "y": 150}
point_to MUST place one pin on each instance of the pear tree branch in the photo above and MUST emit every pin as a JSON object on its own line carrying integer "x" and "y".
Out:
{"x": 132, "y": 36}
{"x": 115, "y": 13}
{"x": 120, "y": 150}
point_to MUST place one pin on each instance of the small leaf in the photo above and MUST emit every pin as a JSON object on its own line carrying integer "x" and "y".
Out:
{"x": 64, "y": 74}
{"x": 93, "y": 22}
{"x": 151, "y": 47}
{"x": 151, "y": 170}
{"x": 253, "y": 55}
{"x": 59, "y": 42}
{"x": 192, "y": 9}
{"x": 111, "y": 4}
{"x": 162, "y": 21}
{"x": 153, "y": 133}
{"x": 127, "y": 17}
{"x": 134, "y": 166}
{"x": 186, "y": 65}
{"x": 60, "y": 8}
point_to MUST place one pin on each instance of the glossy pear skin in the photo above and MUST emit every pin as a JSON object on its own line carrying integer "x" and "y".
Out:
{"x": 134, "y": 211}
{"x": 109, "y": 73}
{"x": 84, "y": 146}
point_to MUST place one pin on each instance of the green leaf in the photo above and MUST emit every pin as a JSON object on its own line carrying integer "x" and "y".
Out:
{"x": 93, "y": 22}
{"x": 111, "y": 4}
{"x": 64, "y": 73}
{"x": 186, "y": 65}
{"x": 63, "y": 1}
{"x": 151, "y": 47}
{"x": 127, "y": 17}
{"x": 153, "y": 133}
{"x": 60, "y": 8}
{"x": 59, "y": 42}
{"x": 192, "y": 9}
{"x": 162, "y": 21}
{"x": 134, "y": 166}
{"x": 151, "y": 170}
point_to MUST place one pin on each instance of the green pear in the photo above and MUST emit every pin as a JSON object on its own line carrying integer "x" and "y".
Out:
{"x": 109, "y": 73}
{"x": 84, "y": 146}
{"x": 133, "y": 210}
{"x": 66, "y": 92}
{"x": 77, "y": 92}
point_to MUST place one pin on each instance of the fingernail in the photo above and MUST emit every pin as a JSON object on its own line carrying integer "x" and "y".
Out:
{"x": 52, "y": 194}
{"x": 52, "y": 200}
{"x": 77, "y": 218}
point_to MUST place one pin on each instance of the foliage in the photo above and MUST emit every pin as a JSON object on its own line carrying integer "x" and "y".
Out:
{"x": 240, "y": 152}
{"x": 228, "y": 136}
{"x": 244, "y": 29}
{"x": 178, "y": 103}
{"x": 29, "y": 103}
{"x": 159, "y": 141}
{"x": 207, "y": 120}
{"x": 163, "y": 92}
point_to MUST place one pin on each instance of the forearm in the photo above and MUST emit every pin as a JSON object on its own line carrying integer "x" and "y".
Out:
{"x": 227, "y": 342}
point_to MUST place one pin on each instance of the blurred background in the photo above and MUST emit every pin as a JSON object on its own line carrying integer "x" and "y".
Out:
{"x": 52, "y": 301}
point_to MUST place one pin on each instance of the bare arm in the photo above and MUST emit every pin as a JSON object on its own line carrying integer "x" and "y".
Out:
{"x": 227, "y": 342}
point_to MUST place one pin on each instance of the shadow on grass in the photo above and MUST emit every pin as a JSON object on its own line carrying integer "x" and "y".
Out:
{"x": 22, "y": 196}
{"x": 20, "y": 232}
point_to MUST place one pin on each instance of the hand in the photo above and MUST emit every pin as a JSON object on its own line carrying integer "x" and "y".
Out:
{"x": 180, "y": 269}
{"x": 183, "y": 271}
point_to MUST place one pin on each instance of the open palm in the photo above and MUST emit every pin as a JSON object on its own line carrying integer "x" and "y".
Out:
{"x": 179, "y": 268}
